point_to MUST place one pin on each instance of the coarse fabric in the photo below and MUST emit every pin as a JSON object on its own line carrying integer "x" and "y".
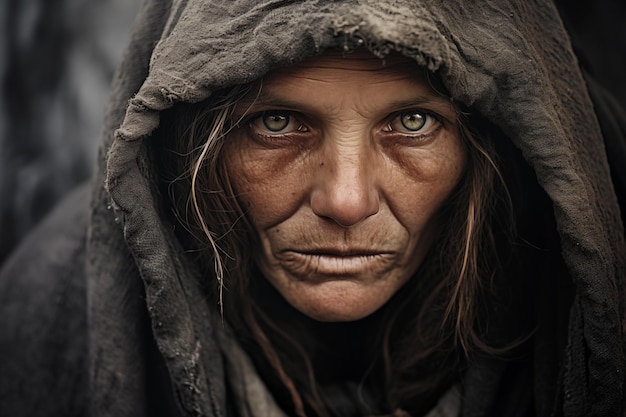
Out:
{"x": 103, "y": 314}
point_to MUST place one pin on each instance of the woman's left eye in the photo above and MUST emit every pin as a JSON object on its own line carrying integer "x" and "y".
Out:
{"x": 276, "y": 122}
{"x": 411, "y": 121}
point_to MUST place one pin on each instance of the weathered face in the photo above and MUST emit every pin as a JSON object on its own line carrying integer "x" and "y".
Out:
{"x": 342, "y": 163}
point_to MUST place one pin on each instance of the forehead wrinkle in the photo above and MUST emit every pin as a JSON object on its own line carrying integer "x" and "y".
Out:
{"x": 302, "y": 101}
{"x": 330, "y": 74}
{"x": 297, "y": 102}
{"x": 295, "y": 87}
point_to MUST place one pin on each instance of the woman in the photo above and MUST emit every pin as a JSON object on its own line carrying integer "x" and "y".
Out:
{"x": 333, "y": 209}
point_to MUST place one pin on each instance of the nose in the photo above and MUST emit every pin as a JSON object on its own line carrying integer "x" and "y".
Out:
{"x": 346, "y": 190}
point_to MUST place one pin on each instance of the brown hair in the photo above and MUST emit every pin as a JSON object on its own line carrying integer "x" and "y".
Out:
{"x": 423, "y": 334}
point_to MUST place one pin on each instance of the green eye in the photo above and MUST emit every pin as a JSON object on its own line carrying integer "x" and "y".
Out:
{"x": 413, "y": 120}
{"x": 275, "y": 122}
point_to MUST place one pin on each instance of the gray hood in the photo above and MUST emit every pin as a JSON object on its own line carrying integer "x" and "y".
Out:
{"x": 509, "y": 61}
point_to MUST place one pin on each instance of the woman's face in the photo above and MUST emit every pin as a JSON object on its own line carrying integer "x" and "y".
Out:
{"x": 342, "y": 163}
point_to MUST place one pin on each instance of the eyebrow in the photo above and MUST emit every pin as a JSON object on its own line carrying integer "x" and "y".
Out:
{"x": 436, "y": 100}
{"x": 265, "y": 98}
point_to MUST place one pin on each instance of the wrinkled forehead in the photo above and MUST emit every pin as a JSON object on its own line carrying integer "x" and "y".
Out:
{"x": 333, "y": 83}
{"x": 338, "y": 75}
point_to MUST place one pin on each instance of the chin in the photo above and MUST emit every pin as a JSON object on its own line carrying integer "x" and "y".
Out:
{"x": 337, "y": 301}
{"x": 331, "y": 315}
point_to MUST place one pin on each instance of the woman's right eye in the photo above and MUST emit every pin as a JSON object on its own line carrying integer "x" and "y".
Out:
{"x": 277, "y": 122}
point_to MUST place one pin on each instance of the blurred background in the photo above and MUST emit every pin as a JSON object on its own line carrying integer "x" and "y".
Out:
{"x": 57, "y": 58}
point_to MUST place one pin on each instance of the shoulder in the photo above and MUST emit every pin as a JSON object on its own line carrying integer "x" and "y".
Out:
{"x": 43, "y": 316}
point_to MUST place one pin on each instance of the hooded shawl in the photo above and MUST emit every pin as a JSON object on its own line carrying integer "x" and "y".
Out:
{"x": 130, "y": 331}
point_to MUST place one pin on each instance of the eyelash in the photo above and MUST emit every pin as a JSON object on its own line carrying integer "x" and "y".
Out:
{"x": 261, "y": 129}
{"x": 430, "y": 126}
{"x": 259, "y": 126}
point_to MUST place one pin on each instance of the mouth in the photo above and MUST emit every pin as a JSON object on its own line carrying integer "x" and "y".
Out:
{"x": 335, "y": 262}
{"x": 340, "y": 252}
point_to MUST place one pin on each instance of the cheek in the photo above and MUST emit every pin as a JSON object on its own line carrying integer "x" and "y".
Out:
{"x": 422, "y": 181}
{"x": 269, "y": 183}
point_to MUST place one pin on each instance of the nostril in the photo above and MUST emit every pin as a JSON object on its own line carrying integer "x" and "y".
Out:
{"x": 345, "y": 206}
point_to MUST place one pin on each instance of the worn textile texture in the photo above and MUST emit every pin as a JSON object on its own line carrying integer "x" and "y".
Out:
{"x": 509, "y": 61}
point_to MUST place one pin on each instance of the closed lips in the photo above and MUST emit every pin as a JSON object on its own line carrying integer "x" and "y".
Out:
{"x": 317, "y": 263}
{"x": 339, "y": 252}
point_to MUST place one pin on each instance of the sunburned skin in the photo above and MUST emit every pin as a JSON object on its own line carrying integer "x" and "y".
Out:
{"x": 342, "y": 163}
